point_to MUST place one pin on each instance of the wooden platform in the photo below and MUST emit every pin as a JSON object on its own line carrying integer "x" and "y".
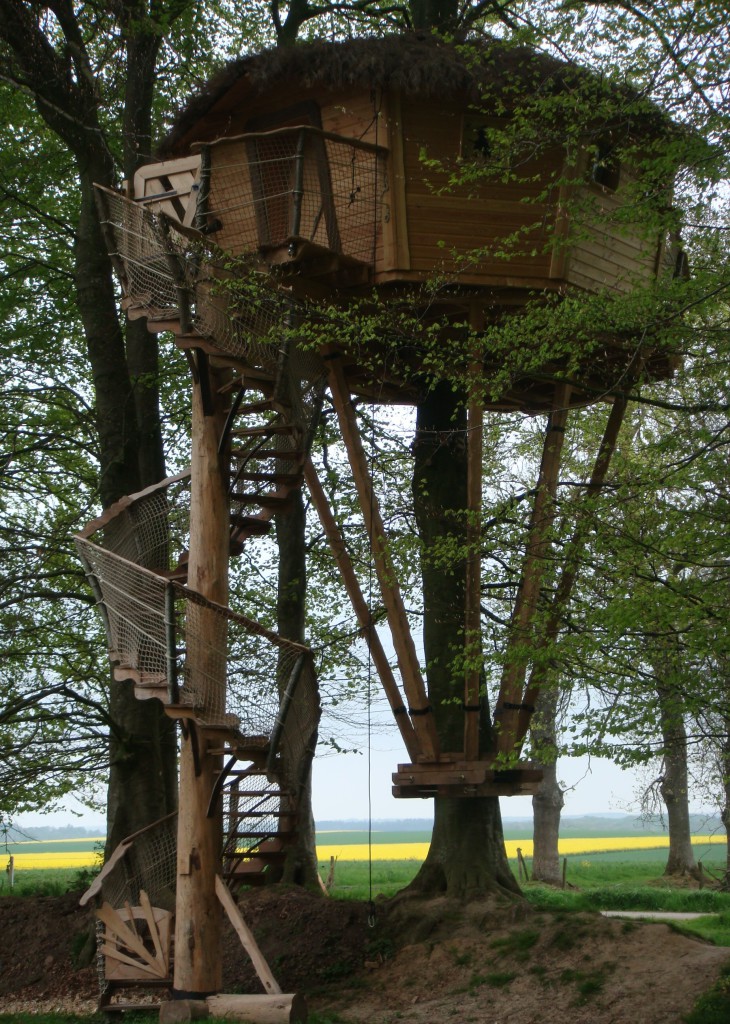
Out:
{"x": 465, "y": 779}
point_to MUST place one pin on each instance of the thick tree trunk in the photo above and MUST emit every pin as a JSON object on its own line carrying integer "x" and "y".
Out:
{"x": 674, "y": 786}
{"x": 301, "y": 863}
{"x": 466, "y": 857}
{"x": 725, "y": 767}
{"x": 548, "y": 802}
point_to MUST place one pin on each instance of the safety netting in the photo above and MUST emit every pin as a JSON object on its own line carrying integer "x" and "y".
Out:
{"x": 293, "y": 187}
{"x": 296, "y": 185}
{"x": 148, "y": 863}
{"x": 175, "y": 276}
{"x": 227, "y": 668}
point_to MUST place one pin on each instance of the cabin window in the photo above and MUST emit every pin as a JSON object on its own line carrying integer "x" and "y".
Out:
{"x": 606, "y": 170}
{"x": 475, "y": 143}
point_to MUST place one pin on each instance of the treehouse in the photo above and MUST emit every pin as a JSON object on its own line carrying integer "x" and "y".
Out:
{"x": 304, "y": 194}
{"x": 388, "y": 167}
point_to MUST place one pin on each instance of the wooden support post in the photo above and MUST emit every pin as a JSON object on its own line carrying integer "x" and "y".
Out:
{"x": 523, "y": 872}
{"x": 197, "y": 971}
{"x": 361, "y": 609}
{"x": 246, "y": 936}
{"x": 413, "y": 684}
{"x": 472, "y": 611}
{"x": 570, "y": 570}
{"x": 510, "y": 702}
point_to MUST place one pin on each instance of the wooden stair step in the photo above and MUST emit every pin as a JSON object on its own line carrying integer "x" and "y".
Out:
{"x": 246, "y": 381}
{"x": 265, "y": 857}
{"x": 282, "y": 479}
{"x": 260, "y": 835}
{"x": 258, "y": 792}
{"x": 265, "y": 431}
{"x": 262, "y": 814}
{"x": 270, "y": 499}
{"x": 264, "y": 405}
{"x": 252, "y": 525}
{"x": 259, "y": 454}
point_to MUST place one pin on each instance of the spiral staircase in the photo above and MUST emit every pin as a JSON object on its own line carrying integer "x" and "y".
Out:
{"x": 264, "y": 726}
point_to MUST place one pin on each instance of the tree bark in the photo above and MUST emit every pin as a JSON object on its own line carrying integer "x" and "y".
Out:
{"x": 725, "y": 813}
{"x": 300, "y": 866}
{"x": 142, "y": 783}
{"x": 547, "y": 803}
{"x": 466, "y": 857}
{"x": 674, "y": 785}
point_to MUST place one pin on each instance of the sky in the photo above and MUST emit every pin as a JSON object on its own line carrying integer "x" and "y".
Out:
{"x": 340, "y": 790}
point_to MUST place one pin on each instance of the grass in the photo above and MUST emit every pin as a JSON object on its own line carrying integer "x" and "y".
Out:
{"x": 715, "y": 929}
{"x": 714, "y": 1006}
{"x": 45, "y": 882}
{"x": 606, "y": 881}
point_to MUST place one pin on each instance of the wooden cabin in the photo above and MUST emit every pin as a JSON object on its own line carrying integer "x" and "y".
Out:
{"x": 337, "y": 166}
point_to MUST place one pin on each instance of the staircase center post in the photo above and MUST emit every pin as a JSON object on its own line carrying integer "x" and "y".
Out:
{"x": 197, "y": 970}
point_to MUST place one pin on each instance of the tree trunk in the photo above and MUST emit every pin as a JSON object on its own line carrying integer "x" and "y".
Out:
{"x": 58, "y": 72}
{"x": 301, "y": 863}
{"x": 466, "y": 857}
{"x": 548, "y": 802}
{"x": 674, "y": 786}
{"x": 725, "y": 814}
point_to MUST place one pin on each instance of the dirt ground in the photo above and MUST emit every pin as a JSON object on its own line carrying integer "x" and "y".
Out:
{"x": 492, "y": 962}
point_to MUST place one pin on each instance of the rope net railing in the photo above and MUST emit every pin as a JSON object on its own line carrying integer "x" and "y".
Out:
{"x": 170, "y": 275}
{"x": 298, "y": 184}
{"x": 151, "y": 528}
{"x": 230, "y": 671}
{"x": 149, "y": 863}
{"x": 155, "y": 261}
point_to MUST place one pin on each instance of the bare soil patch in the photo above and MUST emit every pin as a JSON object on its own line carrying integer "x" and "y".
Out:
{"x": 423, "y": 962}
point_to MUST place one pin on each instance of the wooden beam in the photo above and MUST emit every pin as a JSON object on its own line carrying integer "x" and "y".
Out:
{"x": 509, "y": 702}
{"x": 283, "y": 1009}
{"x": 362, "y": 611}
{"x": 246, "y": 936}
{"x": 413, "y": 684}
{"x": 570, "y": 570}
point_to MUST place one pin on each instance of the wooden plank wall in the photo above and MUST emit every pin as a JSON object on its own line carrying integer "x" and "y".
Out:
{"x": 507, "y": 219}
{"x": 355, "y": 183}
{"x": 231, "y": 198}
{"x": 354, "y": 115}
{"x": 605, "y": 251}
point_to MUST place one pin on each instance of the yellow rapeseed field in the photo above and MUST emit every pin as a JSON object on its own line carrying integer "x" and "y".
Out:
{"x": 37, "y": 858}
{"x": 418, "y": 851}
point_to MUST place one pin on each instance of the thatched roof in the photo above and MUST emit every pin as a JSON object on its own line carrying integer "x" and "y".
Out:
{"x": 426, "y": 67}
